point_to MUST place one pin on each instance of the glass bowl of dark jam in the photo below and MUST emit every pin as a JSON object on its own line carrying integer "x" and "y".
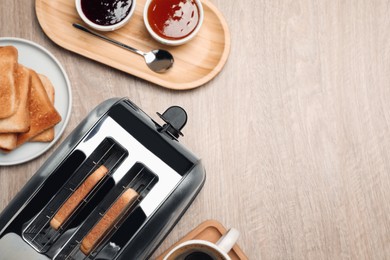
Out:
{"x": 105, "y": 15}
{"x": 173, "y": 22}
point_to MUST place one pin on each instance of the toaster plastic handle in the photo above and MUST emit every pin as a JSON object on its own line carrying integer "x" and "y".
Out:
{"x": 175, "y": 118}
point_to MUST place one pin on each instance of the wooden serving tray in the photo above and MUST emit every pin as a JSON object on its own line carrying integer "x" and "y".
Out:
{"x": 210, "y": 230}
{"x": 196, "y": 62}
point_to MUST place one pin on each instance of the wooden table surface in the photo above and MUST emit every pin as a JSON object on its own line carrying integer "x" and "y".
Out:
{"x": 294, "y": 132}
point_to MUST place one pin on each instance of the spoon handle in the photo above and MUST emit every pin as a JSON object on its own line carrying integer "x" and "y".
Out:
{"x": 80, "y": 27}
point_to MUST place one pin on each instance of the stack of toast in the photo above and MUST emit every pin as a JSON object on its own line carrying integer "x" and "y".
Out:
{"x": 27, "y": 111}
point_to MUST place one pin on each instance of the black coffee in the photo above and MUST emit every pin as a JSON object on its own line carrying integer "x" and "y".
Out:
{"x": 198, "y": 256}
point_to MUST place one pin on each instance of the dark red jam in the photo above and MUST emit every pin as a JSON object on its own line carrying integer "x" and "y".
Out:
{"x": 173, "y": 19}
{"x": 106, "y": 12}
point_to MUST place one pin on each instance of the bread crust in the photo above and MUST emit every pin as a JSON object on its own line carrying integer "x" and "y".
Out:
{"x": 7, "y": 142}
{"x": 78, "y": 195}
{"x": 8, "y": 66}
{"x": 43, "y": 114}
{"x": 109, "y": 219}
{"x": 20, "y": 121}
{"x": 47, "y": 135}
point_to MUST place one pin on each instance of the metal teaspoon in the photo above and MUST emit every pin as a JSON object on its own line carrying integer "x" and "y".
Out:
{"x": 157, "y": 60}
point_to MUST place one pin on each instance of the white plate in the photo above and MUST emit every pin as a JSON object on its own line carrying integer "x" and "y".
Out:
{"x": 42, "y": 61}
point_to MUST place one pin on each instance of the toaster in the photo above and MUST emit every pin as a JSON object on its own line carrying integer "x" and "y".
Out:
{"x": 113, "y": 189}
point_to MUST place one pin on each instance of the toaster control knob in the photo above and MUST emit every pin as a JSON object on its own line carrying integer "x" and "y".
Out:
{"x": 175, "y": 118}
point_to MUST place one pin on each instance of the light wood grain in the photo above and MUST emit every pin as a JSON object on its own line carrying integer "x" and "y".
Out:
{"x": 294, "y": 132}
{"x": 196, "y": 62}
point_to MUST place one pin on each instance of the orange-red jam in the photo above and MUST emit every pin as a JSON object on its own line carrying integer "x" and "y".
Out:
{"x": 173, "y": 19}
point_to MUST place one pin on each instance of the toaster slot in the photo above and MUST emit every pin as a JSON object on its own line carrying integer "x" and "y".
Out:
{"x": 93, "y": 236}
{"x": 66, "y": 208}
{"x": 142, "y": 186}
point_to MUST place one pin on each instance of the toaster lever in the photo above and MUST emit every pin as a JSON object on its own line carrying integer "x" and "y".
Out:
{"x": 175, "y": 118}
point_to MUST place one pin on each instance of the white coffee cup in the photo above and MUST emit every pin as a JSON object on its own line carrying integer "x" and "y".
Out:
{"x": 202, "y": 249}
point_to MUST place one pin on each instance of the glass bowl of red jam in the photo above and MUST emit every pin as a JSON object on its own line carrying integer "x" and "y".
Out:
{"x": 173, "y": 22}
{"x": 105, "y": 15}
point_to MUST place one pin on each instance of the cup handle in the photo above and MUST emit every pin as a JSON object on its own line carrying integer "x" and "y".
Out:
{"x": 227, "y": 241}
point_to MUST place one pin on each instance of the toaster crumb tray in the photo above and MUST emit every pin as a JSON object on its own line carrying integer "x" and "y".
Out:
{"x": 210, "y": 230}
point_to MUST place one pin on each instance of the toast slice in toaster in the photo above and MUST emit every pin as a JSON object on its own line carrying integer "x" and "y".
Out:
{"x": 8, "y": 65}
{"x": 76, "y": 198}
{"x": 43, "y": 114}
{"x": 20, "y": 120}
{"x": 109, "y": 219}
{"x": 47, "y": 135}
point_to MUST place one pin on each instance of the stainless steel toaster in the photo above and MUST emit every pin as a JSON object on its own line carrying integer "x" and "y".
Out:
{"x": 137, "y": 154}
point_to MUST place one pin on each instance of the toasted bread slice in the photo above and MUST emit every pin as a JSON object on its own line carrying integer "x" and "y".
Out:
{"x": 8, "y": 65}
{"x": 8, "y": 142}
{"x": 20, "y": 120}
{"x": 43, "y": 114}
{"x": 47, "y": 135}
{"x": 71, "y": 204}
{"x": 109, "y": 219}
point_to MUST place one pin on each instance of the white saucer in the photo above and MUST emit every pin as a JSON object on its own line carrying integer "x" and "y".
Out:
{"x": 42, "y": 61}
